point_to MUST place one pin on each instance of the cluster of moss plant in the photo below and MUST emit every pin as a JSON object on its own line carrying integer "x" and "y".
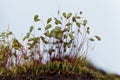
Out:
{"x": 65, "y": 39}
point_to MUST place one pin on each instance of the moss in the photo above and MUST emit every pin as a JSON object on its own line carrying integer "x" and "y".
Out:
{"x": 64, "y": 43}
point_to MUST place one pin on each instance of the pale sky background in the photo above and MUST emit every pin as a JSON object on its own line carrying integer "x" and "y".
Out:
{"x": 103, "y": 18}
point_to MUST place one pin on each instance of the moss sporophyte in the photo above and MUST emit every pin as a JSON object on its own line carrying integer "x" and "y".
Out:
{"x": 61, "y": 47}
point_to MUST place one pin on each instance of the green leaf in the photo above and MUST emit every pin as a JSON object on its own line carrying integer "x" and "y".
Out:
{"x": 28, "y": 35}
{"x": 36, "y": 19}
{"x": 47, "y": 34}
{"x": 48, "y": 26}
{"x": 57, "y": 28}
{"x": 39, "y": 28}
{"x": 73, "y": 19}
{"x": 68, "y": 24}
{"x": 78, "y": 24}
{"x": 43, "y": 39}
{"x": 59, "y": 35}
{"x": 31, "y": 39}
{"x": 49, "y": 20}
{"x": 16, "y": 45}
{"x": 69, "y": 15}
{"x": 52, "y": 33}
{"x": 64, "y": 14}
{"x": 91, "y": 39}
{"x": 98, "y": 38}
{"x": 36, "y": 39}
{"x": 80, "y": 12}
{"x": 84, "y": 22}
{"x": 57, "y": 21}
{"x": 31, "y": 29}
{"x": 88, "y": 30}
{"x": 77, "y": 17}
{"x": 24, "y": 38}
{"x": 71, "y": 36}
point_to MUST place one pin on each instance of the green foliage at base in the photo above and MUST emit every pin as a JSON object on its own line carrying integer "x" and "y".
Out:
{"x": 58, "y": 68}
{"x": 30, "y": 70}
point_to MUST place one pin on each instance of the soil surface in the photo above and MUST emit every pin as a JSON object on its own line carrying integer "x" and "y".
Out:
{"x": 52, "y": 76}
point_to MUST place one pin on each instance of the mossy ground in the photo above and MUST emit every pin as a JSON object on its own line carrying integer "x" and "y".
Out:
{"x": 55, "y": 71}
{"x": 50, "y": 71}
{"x": 65, "y": 39}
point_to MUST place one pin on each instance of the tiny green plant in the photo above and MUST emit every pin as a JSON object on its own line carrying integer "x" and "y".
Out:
{"x": 63, "y": 38}
{"x": 63, "y": 44}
